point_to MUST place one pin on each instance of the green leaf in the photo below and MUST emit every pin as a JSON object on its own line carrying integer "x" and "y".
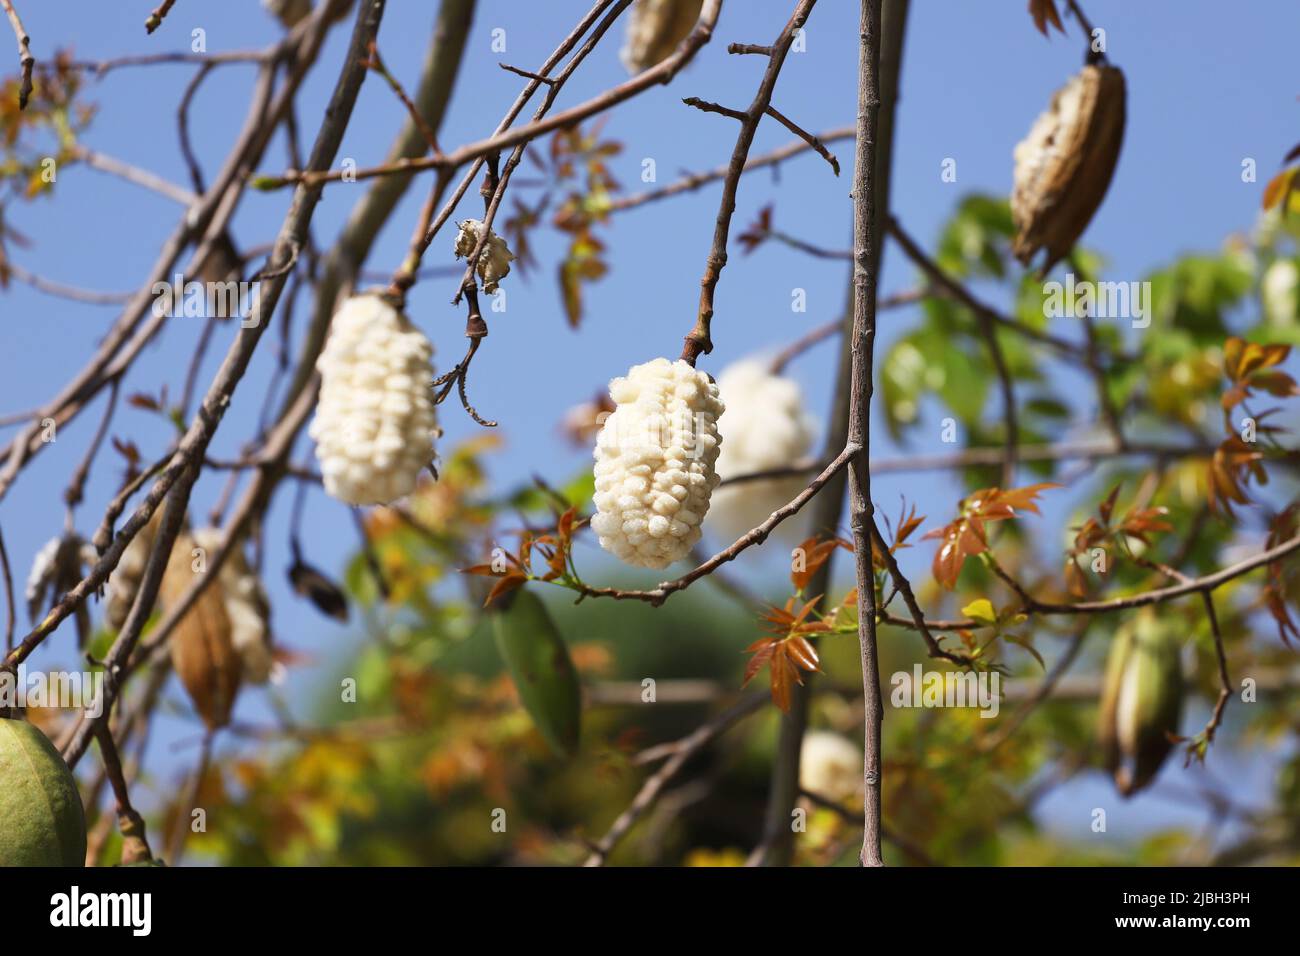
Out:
{"x": 539, "y": 664}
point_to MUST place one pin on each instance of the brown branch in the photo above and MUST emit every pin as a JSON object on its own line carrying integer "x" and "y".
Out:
{"x": 705, "y": 106}
{"x": 662, "y": 72}
{"x": 755, "y": 48}
{"x": 72, "y": 293}
{"x": 193, "y": 446}
{"x": 135, "y": 843}
{"x": 26, "y": 62}
{"x": 940, "y": 280}
{"x": 909, "y": 598}
{"x": 495, "y": 180}
{"x": 1010, "y": 416}
{"x": 866, "y": 239}
{"x": 1225, "y": 682}
{"x": 681, "y": 752}
{"x": 204, "y": 223}
{"x": 695, "y": 181}
{"x": 758, "y": 535}
{"x": 376, "y": 62}
{"x": 527, "y": 74}
{"x": 908, "y": 846}
{"x": 817, "y": 145}
{"x": 10, "y": 610}
{"x": 103, "y": 67}
{"x": 698, "y": 341}
{"x": 826, "y": 331}
{"x": 135, "y": 175}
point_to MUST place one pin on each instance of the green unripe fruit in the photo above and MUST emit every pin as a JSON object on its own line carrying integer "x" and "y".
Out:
{"x": 1142, "y": 700}
{"x": 41, "y": 819}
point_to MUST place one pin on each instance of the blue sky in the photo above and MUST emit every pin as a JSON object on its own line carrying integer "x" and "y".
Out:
{"x": 1207, "y": 88}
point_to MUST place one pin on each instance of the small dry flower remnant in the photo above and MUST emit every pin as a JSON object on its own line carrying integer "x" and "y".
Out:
{"x": 375, "y": 422}
{"x": 655, "y": 462}
{"x": 493, "y": 261}
{"x": 654, "y": 29}
{"x": 1064, "y": 166}
{"x": 767, "y": 428}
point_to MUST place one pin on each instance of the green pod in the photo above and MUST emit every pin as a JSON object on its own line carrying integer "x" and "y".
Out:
{"x": 1142, "y": 701}
{"x": 41, "y": 819}
{"x": 541, "y": 668}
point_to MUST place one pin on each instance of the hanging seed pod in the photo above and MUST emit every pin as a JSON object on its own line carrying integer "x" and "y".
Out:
{"x": 327, "y": 596}
{"x": 654, "y": 29}
{"x": 767, "y": 427}
{"x": 375, "y": 421}
{"x": 1064, "y": 166}
{"x": 41, "y": 819}
{"x": 539, "y": 663}
{"x": 655, "y": 459}
{"x": 247, "y": 607}
{"x": 1142, "y": 701}
{"x": 203, "y": 655}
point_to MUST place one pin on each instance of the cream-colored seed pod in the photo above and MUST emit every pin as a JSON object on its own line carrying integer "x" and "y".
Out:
{"x": 1065, "y": 164}
{"x": 124, "y": 582}
{"x": 830, "y": 765}
{"x": 289, "y": 12}
{"x": 247, "y": 607}
{"x": 375, "y": 420}
{"x": 654, "y": 29}
{"x": 655, "y": 458}
{"x": 493, "y": 262}
{"x": 767, "y": 427}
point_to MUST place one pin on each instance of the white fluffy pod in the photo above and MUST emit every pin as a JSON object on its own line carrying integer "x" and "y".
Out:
{"x": 247, "y": 606}
{"x": 375, "y": 420}
{"x": 655, "y": 458}
{"x": 830, "y": 765}
{"x": 767, "y": 427}
{"x": 654, "y": 29}
{"x": 493, "y": 262}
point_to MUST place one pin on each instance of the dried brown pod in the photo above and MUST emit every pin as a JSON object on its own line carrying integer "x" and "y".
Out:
{"x": 1065, "y": 164}
{"x": 654, "y": 30}
{"x": 202, "y": 652}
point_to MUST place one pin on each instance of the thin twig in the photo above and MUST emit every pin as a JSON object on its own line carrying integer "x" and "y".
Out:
{"x": 818, "y": 146}
{"x": 682, "y": 751}
{"x": 758, "y": 535}
{"x": 10, "y": 611}
{"x": 26, "y": 62}
{"x": 866, "y": 239}
{"x": 699, "y": 341}
{"x": 159, "y": 14}
{"x": 662, "y": 72}
{"x": 694, "y": 181}
{"x": 136, "y": 175}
